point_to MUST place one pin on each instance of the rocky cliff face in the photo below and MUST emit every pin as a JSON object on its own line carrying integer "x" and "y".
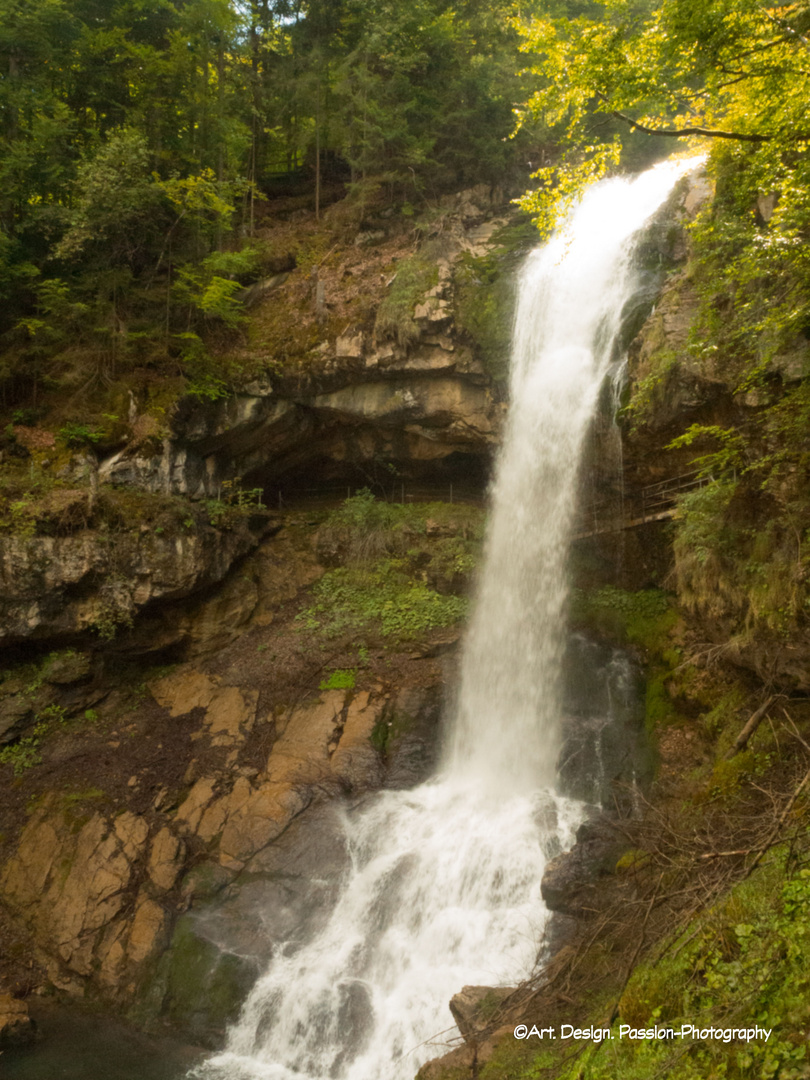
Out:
{"x": 60, "y": 587}
{"x": 413, "y": 400}
{"x": 152, "y": 813}
{"x": 167, "y": 807}
{"x": 413, "y": 391}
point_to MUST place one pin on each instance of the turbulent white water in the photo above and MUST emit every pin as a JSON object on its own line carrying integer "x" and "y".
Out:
{"x": 444, "y": 885}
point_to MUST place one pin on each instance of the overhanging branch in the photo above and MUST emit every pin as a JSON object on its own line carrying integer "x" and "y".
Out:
{"x": 680, "y": 133}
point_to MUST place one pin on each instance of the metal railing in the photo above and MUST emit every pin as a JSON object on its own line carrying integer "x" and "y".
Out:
{"x": 655, "y": 502}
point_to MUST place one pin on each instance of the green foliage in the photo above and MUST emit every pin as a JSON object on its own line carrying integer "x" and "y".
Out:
{"x": 234, "y": 505}
{"x": 383, "y": 597}
{"x": 75, "y": 434}
{"x": 643, "y": 618}
{"x": 117, "y": 205}
{"x": 25, "y": 752}
{"x": 706, "y": 545}
{"x": 22, "y": 755}
{"x": 485, "y": 295}
{"x": 110, "y": 616}
{"x": 211, "y": 287}
{"x": 730, "y": 562}
{"x": 364, "y": 528}
{"x": 340, "y": 679}
{"x": 650, "y": 390}
{"x": 720, "y": 464}
{"x": 414, "y": 278}
{"x": 746, "y": 967}
{"x": 741, "y": 964}
{"x": 676, "y": 66}
{"x": 137, "y": 140}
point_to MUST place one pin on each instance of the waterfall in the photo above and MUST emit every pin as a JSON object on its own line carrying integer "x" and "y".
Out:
{"x": 444, "y": 884}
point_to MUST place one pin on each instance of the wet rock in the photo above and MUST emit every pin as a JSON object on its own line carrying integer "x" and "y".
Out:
{"x": 204, "y": 882}
{"x": 16, "y": 1026}
{"x": 14, "y": 711}
{"x": 198, "y": 985}
{"x": 570, "y": 878}
{"x": 476, "y": 1008}
{"x": 355, "y": 761}
{"x": 68, "y": 667}
{"x": 406, "y": 733}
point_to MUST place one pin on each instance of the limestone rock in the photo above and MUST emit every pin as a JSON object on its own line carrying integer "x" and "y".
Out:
{"x": 264, "y": 817}
{"x": 14, "y": 710}
{"x": 54, "y": 586}
{"x": 230, "y": 715}
{"x": 190, "y": 813}
{"x": 355, "y": 760}
{"x": 16, "y": 1026}
{"x": 165, "y": 859}
{"x": 229, "y": 711}
{"x": 301, "y": 753}
{"x": 218, "y": 812}
{"x": 679, "y": 383}
{"x": 148, "y": 931}
{"x": 322, "y": 749}
{"x": 349, "y": 346}
{"x": 71, "y": 887}
{"x": 183, "y": 691}
{"x": 476, "y": 1008}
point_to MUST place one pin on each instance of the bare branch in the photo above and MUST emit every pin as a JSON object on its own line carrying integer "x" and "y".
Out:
{"x": 682, "y": 133}
{"x": 749, "y": 729}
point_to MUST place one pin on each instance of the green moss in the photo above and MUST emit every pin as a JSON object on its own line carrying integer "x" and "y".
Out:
{"x": 414, "y": 278}
{"x": 721, "y": 722}
{"x": 659, "y": 709}
{"x": 204, "y": 987}
{"x": 390, "y": 727}
{"x": 341, "y": 679}
{"x": 632, "y": 860}
{"x": 645, "y": 618}
{"x": 484, "y": 295}
{"x": 69, "y": 799}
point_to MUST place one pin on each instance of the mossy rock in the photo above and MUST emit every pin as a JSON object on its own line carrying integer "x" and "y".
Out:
{"x": 202, "y": 987}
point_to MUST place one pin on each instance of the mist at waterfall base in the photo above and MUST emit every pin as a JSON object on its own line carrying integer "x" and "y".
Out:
{"x": 443, "y": 888}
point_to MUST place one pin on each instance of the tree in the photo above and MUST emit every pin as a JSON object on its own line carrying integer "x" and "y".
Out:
{"x": 727, "y": 71}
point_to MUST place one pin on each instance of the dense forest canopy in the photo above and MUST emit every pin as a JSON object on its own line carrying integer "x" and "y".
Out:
{"x": 140, "y": 139}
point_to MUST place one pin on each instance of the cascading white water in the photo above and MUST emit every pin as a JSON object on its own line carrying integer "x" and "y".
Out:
{"x": 444, "y": 885}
